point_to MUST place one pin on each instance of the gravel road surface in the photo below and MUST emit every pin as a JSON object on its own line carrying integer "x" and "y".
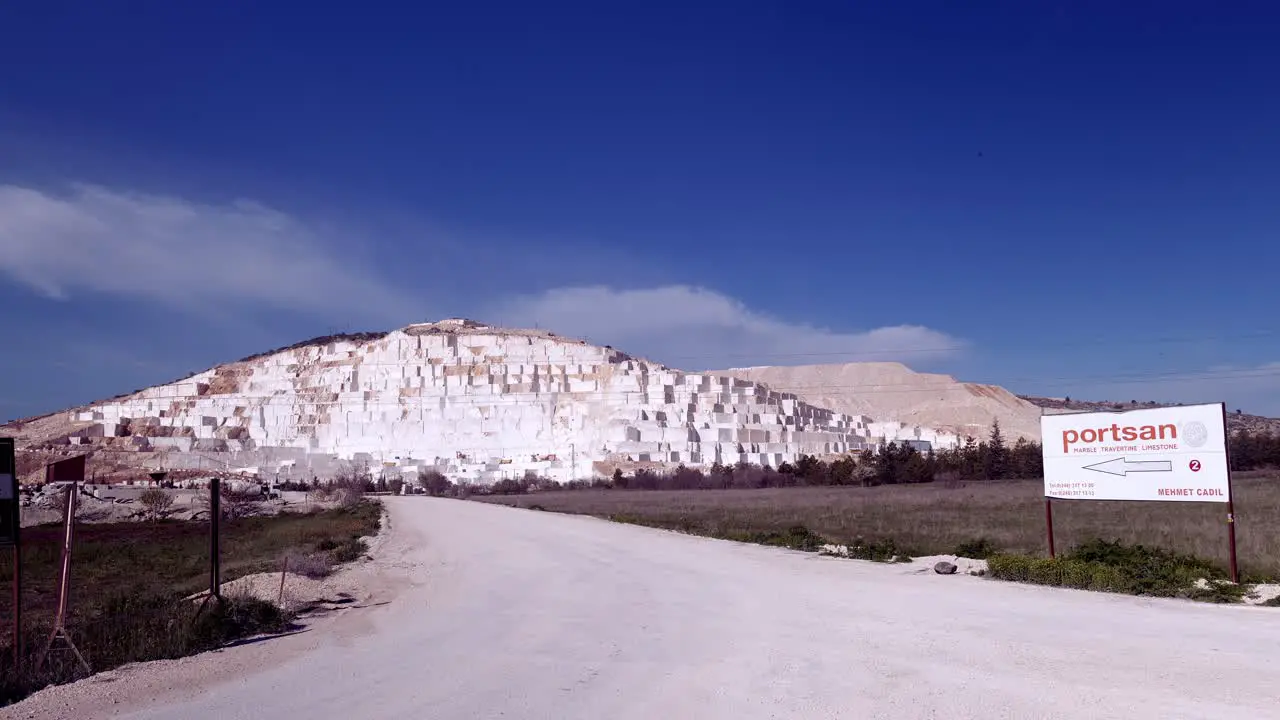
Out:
{"x": 479, "y": 611}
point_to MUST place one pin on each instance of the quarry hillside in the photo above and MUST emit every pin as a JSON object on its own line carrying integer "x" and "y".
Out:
{"x": 480, "y": 404}
{"x": 474, "y": 402}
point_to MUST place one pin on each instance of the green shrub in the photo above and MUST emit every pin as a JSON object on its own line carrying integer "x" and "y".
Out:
{"x": 349, "y": 550}
{"x": 796, "y": 537}
{"x": 979, "y": 549}
{"x": 1113, "y": 567}
{"x": 876, "y": 551}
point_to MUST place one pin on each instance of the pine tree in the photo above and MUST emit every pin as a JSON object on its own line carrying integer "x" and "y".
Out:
{"x": 969, "y": 459}
{"x": 997, "y": 464}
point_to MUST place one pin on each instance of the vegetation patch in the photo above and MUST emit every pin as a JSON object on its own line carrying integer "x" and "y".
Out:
{"x": 128, "y": 581}
{"x": 979, "y": 549}
{"x": 794, "y": 537}
{"x": 136, "y": 627}
{"x": 1131, "y": 569}
{"x": 976, "y": 521}
{"x": 886, "y": 551}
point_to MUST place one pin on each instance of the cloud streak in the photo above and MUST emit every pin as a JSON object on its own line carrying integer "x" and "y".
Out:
{"x": 187, "y": 255}
{"x": 697, "y": 328}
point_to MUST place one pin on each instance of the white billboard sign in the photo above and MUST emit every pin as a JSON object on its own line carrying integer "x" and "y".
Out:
{"x": 1174, "y": 454}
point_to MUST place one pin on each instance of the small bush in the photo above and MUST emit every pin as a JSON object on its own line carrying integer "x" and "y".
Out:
{"x": 979, "y": 549}
{"x": 877, "y": 551}
{"x": 1273, "y": 602}
{"x": 349, "y": 550}
{"x": 796, "y": 537}
{"x": 310, "y": 565}
{"x": 237, "y": 617}
{"x": 156, "y": 501}
{"x": 1219, "y": 591}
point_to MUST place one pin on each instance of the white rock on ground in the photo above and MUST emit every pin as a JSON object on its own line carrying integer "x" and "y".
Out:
{"x": 481, "y": 611}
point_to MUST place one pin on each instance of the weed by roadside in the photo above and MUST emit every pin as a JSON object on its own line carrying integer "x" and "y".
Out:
{"x": 978, "y": 549}
{"x": 1131, "y": 569}
{"x": 129, "y": 579}
{"x": 876, "y": 551}
{"x": 136, "y": 628}
{"x": 795, "y": 537}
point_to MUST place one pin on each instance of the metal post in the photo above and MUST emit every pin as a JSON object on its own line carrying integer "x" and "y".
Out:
{"x": 64, "y": 576}
{"x": 17, "y": 605}
{"x": 215, "y": 544}
{"x": 1231, "y": 515}
{"x": 284, "y": 571}
{"x": 12, "y": 524}
{"x": 64, "y": 587}
{"x": 1048, "y": 523}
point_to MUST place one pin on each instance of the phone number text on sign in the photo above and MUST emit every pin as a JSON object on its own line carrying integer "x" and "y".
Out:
{"x": 1071, "y": 489}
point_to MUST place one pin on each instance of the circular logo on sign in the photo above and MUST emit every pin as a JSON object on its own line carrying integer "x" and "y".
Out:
{"x": 1195, "y": 433}
{"x": 1195, "y": 466}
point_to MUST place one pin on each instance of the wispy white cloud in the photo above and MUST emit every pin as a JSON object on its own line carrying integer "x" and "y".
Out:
{"x": 188, "y": 255}
{"x": 243, "y": 260}
{"x": 697, "y": 328}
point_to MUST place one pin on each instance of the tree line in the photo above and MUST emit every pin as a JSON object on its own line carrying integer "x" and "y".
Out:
{"x": 992, "y": 458}
{"x": 1253, "y": 451}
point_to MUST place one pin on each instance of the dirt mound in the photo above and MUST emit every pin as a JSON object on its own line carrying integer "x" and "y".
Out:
{"x": 889, "y": 391}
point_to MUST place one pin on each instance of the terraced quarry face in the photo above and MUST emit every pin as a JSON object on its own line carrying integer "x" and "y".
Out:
{"x": 475, "y": 402}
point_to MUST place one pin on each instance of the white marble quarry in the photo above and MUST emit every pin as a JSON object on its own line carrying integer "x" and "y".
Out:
{"x": 482, "y": 404}
{"x": 887, "y": 432}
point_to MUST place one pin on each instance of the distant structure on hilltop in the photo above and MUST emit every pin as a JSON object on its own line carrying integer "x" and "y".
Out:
{"x": 475, "y": 402}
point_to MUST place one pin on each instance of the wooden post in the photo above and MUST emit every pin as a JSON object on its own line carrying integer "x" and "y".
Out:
{"x": 283, "y": 572}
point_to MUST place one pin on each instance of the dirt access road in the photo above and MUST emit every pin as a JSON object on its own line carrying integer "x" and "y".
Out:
{"x": 482, "y": 611}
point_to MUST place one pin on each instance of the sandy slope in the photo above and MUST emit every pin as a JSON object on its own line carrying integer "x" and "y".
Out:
{"x": 498, "y": 612}
{"x": 890, "y": 391}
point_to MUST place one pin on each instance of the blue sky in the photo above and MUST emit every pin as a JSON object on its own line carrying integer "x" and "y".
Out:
{"x": 1062, "y": 198}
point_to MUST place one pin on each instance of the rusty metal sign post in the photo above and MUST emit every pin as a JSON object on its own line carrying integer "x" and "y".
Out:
{"x": 10, "y": 534}
{"x": 1162, "y": 454}
{"x": 64, "y": 583}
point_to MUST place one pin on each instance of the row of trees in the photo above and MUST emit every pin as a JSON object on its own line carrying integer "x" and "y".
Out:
{"x": 992, "y": 458}
{"x": 1251, "y": 451}
{"x": 894, "y": 463}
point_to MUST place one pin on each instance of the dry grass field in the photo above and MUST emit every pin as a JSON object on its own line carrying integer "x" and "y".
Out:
{"x": 934, "y": 518}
